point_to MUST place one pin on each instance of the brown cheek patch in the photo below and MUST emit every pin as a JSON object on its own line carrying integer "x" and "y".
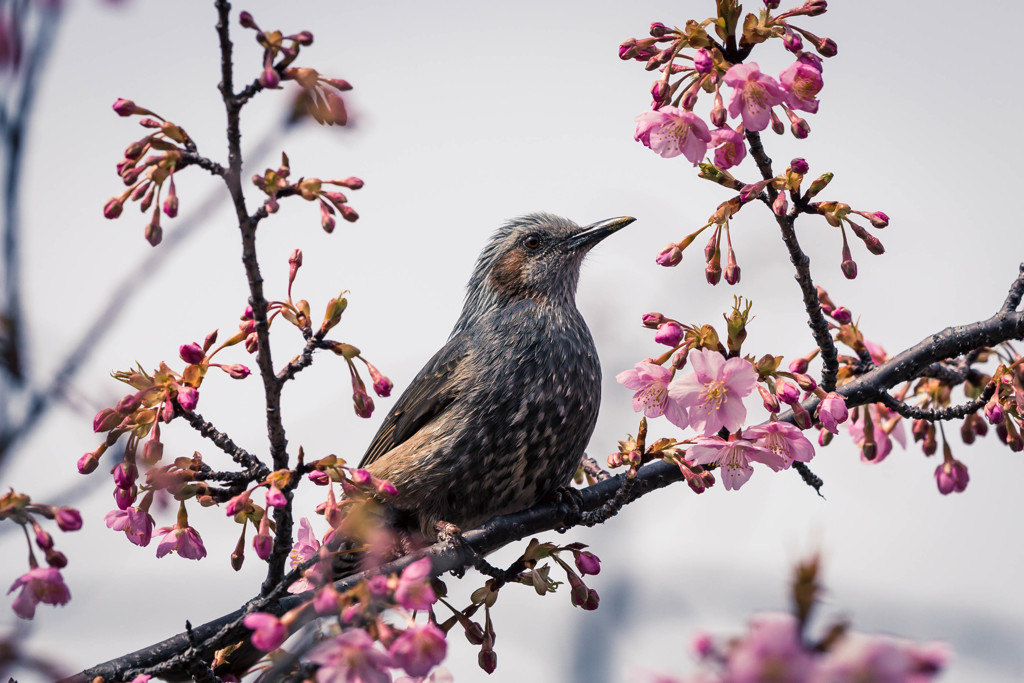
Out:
{"x": 507, "y": 276}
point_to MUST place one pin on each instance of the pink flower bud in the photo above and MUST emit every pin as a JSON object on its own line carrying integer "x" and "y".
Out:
{"x": 826, "y": 47}
{"x": 878, "y": 219}
{"x": 718, "y": 111}
{"x": 191, "y": 353}
{"x": 659, "y": 29}
{"x": 780, "y": 205}
{"x": 793, "y": 42}
{"x": 799, "y": 365}
{"x": 252, "y": 343}
{"x": 276, "y": 497}
{"x": 587, "y": 562}
{"x": 106, "y": 420}
{"x": 993, "y": 412}
{"x": 842, "y": 315}
{"x": 87, "y": 463}
{"x": 304, "y": 38}
{"x": 236, "y": 371}
{"x": 732, "y": 272}
{"x": 348, "y": 213}
{"x": 154, "y": 234}
{"x": 125, "y": 497}
{"x": 129, "y": 404}
{"x": 800, "y": 416}
{"x": 326, "y": 217}
{"x": 361, "y": 477}
{"x": 799, "y": 166}
{"x": 351, "y": 183}
{"x": 805, "y": 382}
{"x": 786, "y": 392}
{"x": 68, "y": 518}
{"x": 171, "y": 206}
{"x": 363, "y": 404}
{"x": 770, "y": 400}
{"x": 849, "y": 268}
{"x": 713, "y": 273}
{"x": 386, "y": 488}
{"x": 319, "y": 477}
{"x": 669, "y": 256}
{"x": 874, "y": 245}
{"x": 112, "y": 209}
{"x": 660, "y": 93}
{"x": 246, "y": 20}
{"x": 951, "y": 476}
{"x": 703, "y": 62}
{"x": 247, "y": 314}
{"x": 652, "y": 320}
{"x": 188, "y": 397}
{"x": 124, "y": 107}
{"x": 669, "y": 334}
{"x": 270, "y": 78}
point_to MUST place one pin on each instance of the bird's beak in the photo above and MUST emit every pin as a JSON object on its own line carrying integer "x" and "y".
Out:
{"x": 592, "y": 234}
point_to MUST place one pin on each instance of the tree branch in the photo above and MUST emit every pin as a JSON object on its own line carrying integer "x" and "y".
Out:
{"x": 815, "y": 318}
{"x": 255, "y": 467}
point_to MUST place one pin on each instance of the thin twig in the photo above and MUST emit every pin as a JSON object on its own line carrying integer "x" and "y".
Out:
{"x": 255, "y": 467}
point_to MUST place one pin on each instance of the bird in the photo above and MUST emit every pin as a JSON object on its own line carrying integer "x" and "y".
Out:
{"x": 498, "y": 419}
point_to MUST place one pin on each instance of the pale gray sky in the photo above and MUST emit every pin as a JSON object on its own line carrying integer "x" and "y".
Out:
{"x": 470, "y": 113}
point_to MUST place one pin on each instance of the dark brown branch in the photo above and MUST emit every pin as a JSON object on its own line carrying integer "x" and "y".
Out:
{"x": 257, "y": 299}
{"x": 815, "y": 318}
{"x": 255, "y": 467}
{"x": 948, "y": 413}
{"x": 304, "y": 359}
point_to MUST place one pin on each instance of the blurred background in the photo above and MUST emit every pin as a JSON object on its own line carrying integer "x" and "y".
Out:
{"x": 463, "y": 115}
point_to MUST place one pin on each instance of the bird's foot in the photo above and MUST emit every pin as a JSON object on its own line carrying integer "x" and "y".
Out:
{"x": 572, "y": 500}
{"x": 449, "y": 533}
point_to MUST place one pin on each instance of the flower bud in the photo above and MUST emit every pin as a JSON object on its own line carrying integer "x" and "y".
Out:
{"x": 793, "y": 42}
{"x": 993, "y": 412}
{"x": 191, "y": 353}
{"x": 669, "y": 256}
{"x": 842, "y": 315}
{"x": 669, "y": 334}
{"x": 849, "y": 268}
{"x": 703, "y": 62}
{"x": 125, "y": 107}
{"x": 799, "y": 165}
{"x": 112, "y": 209}
{"x": 799, "y": 365}
{"x": 246, "y": 20}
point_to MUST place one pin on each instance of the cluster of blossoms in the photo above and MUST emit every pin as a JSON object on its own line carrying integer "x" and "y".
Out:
{"x": 876, "y": 426}
{"x": 274, "y": 183}
{"x": 367, "y": 643}
{"x": 173, "y": 149}
{"x": 161, "y": 396}
{"x": 709, "y": 399}
{"x": 672, "y": 128}
{"x": 775, "y": 648}
{"x": 145, "y": 177}
{"x": 39, "y": 584}
{"x": 320, "y": 95}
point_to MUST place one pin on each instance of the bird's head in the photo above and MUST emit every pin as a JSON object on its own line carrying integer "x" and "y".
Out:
{"x": 534, "y": 257}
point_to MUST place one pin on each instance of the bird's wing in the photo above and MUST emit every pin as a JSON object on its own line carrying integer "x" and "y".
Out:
{"x": 432, "y": 390}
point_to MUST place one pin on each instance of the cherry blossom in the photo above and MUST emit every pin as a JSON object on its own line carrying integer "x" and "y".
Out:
{"x": 713, "y": 393}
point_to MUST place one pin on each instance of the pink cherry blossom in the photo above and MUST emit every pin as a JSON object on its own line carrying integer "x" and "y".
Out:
{"x": 801, "y": 83}
{"x": 671, "y": 131}
{"x": 753, "y": 96}
{"x": 414, "y": 591}
{"x": 135, "y": 522}
{"x": 183, "y": 539}
{"x": 651, "y": 384}
{"x": 713, "y": 393}
{"x": 862, "y": 657}
{"x": 771, "y": 651}
{"x": 267, "y": 630}
{"x": 730, "y": 147}
{"x": 39, "y": 584}
{"x": 733, "y": 457}
{"x": 419, "y": 649}
{"x": 306, "y": 547}
{"x": 351, "y": 658}
{"x": 832, "y": 412}
{"x": 783, "y": 439}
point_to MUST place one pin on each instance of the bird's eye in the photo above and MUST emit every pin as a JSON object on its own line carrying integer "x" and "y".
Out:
{"x": 531, "y": 242}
